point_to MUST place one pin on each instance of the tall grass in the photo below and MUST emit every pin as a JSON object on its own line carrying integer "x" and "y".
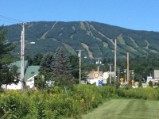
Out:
{"x": 54, "y": 103}
{"x": 139, "y": 93}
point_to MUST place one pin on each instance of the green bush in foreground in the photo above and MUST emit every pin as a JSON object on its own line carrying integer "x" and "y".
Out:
{"x": 52, "y": 103}
{"x": 148, "y": 93}
{"x": 56, "y": 103}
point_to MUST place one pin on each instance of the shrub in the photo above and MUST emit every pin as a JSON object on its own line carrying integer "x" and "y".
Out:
{"x": 140, "y": 93}
{"x": 150, "y": 84}
{"x": 54, "y": 104}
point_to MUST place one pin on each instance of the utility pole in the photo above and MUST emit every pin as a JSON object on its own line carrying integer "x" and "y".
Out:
{"x": 118, "y": 74}
{"x": 79, "y": 56}
{"x": 125, "y": 72}
{"x": 22, "y": 54}
{"x": 98, "y": 62}
{"x": 115, "y": 47}
{"x": 128, "y": 68}
{"x": 110, "y": 75}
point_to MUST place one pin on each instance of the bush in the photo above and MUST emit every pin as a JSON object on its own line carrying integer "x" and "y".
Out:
{"x": 150, "y": 84}
{"x": 53, "y": 103}
{"x": 140, "y": 93}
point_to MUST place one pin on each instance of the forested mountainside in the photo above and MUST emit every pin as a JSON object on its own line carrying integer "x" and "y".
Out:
{"x": 95, "y": 39}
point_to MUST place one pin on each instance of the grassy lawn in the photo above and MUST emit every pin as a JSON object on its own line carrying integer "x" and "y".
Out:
{"x": 125, "y": 109}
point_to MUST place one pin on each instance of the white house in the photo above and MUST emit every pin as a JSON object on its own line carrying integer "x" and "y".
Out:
{"x": 29, "y": 71}
{"x": 97, "y": 77}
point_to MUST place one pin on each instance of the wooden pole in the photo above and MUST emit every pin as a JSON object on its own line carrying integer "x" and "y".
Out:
{"x": 115, "y": 47}
{"x": 128, "y": 77}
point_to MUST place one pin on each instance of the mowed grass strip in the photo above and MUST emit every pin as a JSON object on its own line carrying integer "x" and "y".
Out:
{"x": 125, "y": 109}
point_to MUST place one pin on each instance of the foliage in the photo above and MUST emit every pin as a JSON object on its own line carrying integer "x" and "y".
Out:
{"x": 7, "y": 74}
{"x": 140, "y": 93}
{"x": 37, "y": 59}
{"x": 59, "y": 68}
{"x": 74, "y": 65}
{"x": 150, "y": 83}
{"x": 47, "y": 61}
{"x": 142, "y": 66}
{"x": 61, "y": 65}
{"x": 85, "y": 67}
{"x": 45, "y": 71}
{"x": 55, "y": 67}
{"x": 141, "y": 45}
{"x": 39, "y": 82}
{"x": 5, "y": 47}
{"x": 53, "y": 104}
{"x": 97, "y": 36}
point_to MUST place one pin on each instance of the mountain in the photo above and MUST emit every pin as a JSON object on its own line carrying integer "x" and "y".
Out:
{"x": 95, "y": 39}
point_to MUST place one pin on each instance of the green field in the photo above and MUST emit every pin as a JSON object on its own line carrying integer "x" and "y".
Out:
{"x": 125, "y": 109}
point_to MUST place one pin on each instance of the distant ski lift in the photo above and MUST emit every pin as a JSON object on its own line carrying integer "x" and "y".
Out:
{"x": 32, "y": 43}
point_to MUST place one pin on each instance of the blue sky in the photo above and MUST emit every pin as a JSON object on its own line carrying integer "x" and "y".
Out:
{"x": 132, "y": 14}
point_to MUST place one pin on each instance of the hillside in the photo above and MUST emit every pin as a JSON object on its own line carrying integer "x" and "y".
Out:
{"x": 95, "y": 39}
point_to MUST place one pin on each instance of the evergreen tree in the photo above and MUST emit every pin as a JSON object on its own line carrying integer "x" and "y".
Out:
{"x": 9, "y": 75}
{"x": 37, "y": 59}
{"x": 74, "y": 60}
{"x": 61, "y": 69}
{"x": 6, "y": 74}
{"x": 57, "y": 67}
{"x": 45, "y": 70}
{"x": 5, "y": 48}
{"x": 46, "y": 61}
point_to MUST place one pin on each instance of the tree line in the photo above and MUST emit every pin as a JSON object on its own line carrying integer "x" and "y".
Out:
{"x": 63, "y": 68}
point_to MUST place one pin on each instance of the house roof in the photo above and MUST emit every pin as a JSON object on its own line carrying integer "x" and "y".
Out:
{"x": 31, "y": 71}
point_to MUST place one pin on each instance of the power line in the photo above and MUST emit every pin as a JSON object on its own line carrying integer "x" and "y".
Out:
{"x": 11, "y": 20}
{"x": 6, "y": 21}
